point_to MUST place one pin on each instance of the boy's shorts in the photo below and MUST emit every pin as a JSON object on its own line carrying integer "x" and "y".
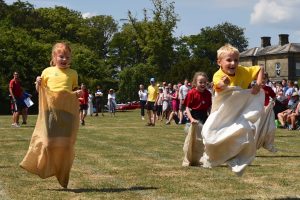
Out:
{"x": 83, "y": 107}
{"x": 18, "y": 105}
{"x": 151, "y": 106}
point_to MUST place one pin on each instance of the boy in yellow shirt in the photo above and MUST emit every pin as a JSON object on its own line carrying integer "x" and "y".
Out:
{"x": 230, "y": 130}
{"x": 231, "y": 74}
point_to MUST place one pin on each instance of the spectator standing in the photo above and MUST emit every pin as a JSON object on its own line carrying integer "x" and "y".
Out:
{"x": 175, "y": 105}
{"x": 99, "y": 101}
{"x": 183, "y": 90}
{"x": 111, "y": 102}
{"x": 269, "y": 92}
{"x": 166, "y": 108}
{"x": 151, "y": 102}
{"x": 83, "y": 106}
{"x": 16, "y": 93}
{"x": 90, "y": 104}
{"x": 143, "y": 95}
{"x": 25, "y": 96}
{"x": 159, "y": 103}
{"x": 284, "y": 85}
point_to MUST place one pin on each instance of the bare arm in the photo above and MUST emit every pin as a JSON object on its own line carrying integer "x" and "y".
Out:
{"x": 192, "y": 120}
{"x": 38, "y": 83}
{"x": 259, "y": 80}
{"x": 222, "y": 84}
{"x": 11, "y": 93}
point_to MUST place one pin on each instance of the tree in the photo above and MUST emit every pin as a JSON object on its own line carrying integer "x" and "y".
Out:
{"x": 91, "y": 70}
{"x": 187, "y": 68}
{"x": 3, "y": 9}
{"x": 131, "y": 78}
{"x": 101, "y": 30}
{"x": 20, "y": 52}
{"x": 63, "y": 22}
{"x": 209, "y": 40}
{"x": 124, "y": 50}
{"x": 233, "y": 35}
{"x": 155, "y": 37}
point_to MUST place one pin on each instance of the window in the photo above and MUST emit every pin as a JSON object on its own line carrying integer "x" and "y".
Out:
{"x": 277, "y": 69}
{"x": 298, "y": 69}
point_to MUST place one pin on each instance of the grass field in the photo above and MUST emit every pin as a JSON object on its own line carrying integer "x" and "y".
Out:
{"x": 120, "y": 158}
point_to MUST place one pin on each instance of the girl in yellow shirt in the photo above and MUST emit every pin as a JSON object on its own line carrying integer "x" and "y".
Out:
{"x": 51, "y": 151}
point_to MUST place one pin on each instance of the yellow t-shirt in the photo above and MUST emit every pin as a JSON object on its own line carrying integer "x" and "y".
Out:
{"x": 56, "y": 79}
{"x": 152, "y": 93}
{"x": 243, "y": 76}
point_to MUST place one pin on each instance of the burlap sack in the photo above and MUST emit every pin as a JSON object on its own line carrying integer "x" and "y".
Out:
{"x": 229, "y": 132}
{"x": 193, "y": 146}
{"x": 51, "y": 150}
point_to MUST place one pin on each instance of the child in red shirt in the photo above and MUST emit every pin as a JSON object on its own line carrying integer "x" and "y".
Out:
{"x": 83, "y": 100}
{"x": 198, "y": 100}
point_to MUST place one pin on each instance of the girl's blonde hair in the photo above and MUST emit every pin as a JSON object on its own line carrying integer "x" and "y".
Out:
{"x": 194, "y": 83}
{"x": 227, "y": 48}
{"x": 60, "y": 47}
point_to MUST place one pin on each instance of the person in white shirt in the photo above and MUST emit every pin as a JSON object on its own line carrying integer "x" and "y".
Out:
{"x": 90, "y": 110}
{"x": 99, "y": 101}
{"x": 143, "y": 95}
{"x": 111, "y": 102}
{"x": 183, "y": 90}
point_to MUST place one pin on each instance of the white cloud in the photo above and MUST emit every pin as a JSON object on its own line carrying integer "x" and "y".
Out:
{"x": 279, "y": 13}
{"x": 88, "y": 15}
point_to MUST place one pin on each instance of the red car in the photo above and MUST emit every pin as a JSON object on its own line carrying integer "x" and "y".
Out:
{"x": 129, "y": 106}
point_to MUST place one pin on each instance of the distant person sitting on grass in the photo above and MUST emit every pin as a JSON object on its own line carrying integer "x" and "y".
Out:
{"x": 284, "y": 117}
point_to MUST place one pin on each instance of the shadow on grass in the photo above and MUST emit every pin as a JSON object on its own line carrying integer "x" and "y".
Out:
{"x": 106, "y": 190}
{"x": 283, "y": 198}
{"x": 251, "y": 165}
{"x": 5, "y": 167}
{"x": 28, "y": 126}
{"x": 14, "y": 140}
{"x": 286, "y": 135}
{"x": 279, "y": 156}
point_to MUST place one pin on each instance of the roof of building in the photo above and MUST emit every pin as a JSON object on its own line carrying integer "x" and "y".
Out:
{"x": 271, "y": 50}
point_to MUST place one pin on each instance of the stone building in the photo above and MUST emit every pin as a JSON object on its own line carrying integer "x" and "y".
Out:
{"x": 280, "y": 61}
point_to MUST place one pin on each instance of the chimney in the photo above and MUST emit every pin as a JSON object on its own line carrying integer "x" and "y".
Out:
{"x": 265, "y": 41}
{"x": 283, "y": 39}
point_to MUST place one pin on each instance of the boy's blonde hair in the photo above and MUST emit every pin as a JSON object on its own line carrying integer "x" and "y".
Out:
{"x": 194, "y": 83}
{"x": 227, "y": 48}
{"x": 58, "y": 48}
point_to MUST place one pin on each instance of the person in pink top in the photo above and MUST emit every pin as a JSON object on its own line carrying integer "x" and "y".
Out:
{"x": 175, "y": 105}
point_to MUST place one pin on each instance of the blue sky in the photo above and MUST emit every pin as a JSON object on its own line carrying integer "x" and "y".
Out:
{"x": 258, "y": 17}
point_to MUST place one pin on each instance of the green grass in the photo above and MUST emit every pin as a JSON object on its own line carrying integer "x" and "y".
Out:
{"x": 121, "y": 158}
